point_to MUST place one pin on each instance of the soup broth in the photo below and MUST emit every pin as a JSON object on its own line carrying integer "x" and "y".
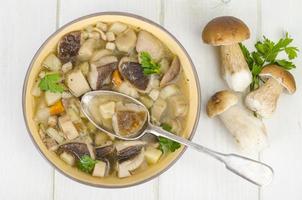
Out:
{"x": 118, "y": 57}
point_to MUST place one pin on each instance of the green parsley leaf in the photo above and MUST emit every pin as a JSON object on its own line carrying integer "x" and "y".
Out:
{"x": 267, "y": 53}
{"x": 166, "y": 127}
{"x": 246, "y": 54}
{"x": 86, "y": 164}
{"x": 51, "y": 82}
{"x": 166, "y": 145}
{"x": 291, "y": 52}
{"x": 148, "y": 64}
{"x": 285, "y": 64}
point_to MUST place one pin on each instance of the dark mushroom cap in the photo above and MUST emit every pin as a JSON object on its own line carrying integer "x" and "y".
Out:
{"x": 126, "y": 150}
{"x": 77, "y": 149}
{"x": 172, "y": 72}
{"x": 129, "y": 122}
{"x": 68, "y": 46}
{"x": 104, "y": 74}
{"x": 225, "y": 30}
{"x": 133, "y": 73}
{"x": 104, "y": 152}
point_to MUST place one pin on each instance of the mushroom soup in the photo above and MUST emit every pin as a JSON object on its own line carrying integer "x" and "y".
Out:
{"x": 117, "y": 57}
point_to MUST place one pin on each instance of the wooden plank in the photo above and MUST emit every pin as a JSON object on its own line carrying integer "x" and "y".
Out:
{"x": 25, "y": 25}
{"x": 285, "y": 129}
{"x": 69, "y": 10}
{"x": 196, "y": 176}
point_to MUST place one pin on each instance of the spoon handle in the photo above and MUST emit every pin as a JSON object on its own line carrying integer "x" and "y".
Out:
{"x": 252, "y": 170}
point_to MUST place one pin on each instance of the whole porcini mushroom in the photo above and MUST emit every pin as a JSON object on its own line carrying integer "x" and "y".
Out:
{"x": 248, "y": 130}
{"x": 227, "y": 32}
{"x": 264, "y": 100}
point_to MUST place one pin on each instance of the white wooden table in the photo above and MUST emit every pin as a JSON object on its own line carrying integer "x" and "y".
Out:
{"x": 24, "y": 174}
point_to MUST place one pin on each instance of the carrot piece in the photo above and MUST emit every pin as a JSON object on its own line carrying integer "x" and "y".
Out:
{"x": 116, "y": 78}
{"x": 56, "y": 108}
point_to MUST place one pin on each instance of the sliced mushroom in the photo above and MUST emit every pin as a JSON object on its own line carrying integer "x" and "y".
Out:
{"x": 126, "y": 41}
{"x": 99, "y": 54}
{"x": 101, "y": 71}
{"x": 133, "y": 73}
{"x": 128, "y": 149}
{"x": 87, "y": 49}
{"x": 124, "y": 168}
{"x": 104, "y": 151}
{"x": 128, "y": 119}
{"x": 172, "y": 72}
{"x": 77, "y": 149}
{"x": 117, "y": 27}
{"x": 104, "y": 60}
{"x": 69, "y": 46}
{"x": 149, "y": 43}
{"x": 104, "y": 74}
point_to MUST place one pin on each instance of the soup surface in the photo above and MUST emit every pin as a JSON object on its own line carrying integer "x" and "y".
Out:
{"x": 118, "y": 57}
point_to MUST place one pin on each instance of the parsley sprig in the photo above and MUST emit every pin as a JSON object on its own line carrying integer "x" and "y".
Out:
{"x": 51, "y": 82}
{"x": 266, "y": 53}
{"x": 86, "y": 164}
{"x": 148, "y": 64}
{"x": 166, "y": 145}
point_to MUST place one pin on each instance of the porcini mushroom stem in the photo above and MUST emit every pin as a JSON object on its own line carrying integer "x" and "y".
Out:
{"x": 234, "y": 68}
{"x": 264, "y": 100}
{"x": 248, "y": 130}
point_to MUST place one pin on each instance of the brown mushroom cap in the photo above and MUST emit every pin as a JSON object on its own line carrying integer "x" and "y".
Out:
{"x": 284, "y": 77}
{"x": 220, "y": 102}
{"x": 225, "y": 30}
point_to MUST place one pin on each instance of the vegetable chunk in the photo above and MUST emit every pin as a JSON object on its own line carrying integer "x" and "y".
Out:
{"x": 77, "y": 83}
{"x": 69, "y": 130}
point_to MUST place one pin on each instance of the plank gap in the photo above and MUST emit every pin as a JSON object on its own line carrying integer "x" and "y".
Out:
{"x": 58, "y": 12}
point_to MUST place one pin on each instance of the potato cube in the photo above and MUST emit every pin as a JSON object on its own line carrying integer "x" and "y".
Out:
{"x": 99, "y": 169}
{"x": 69, "y": 130}
{"x": 107, "y": 110}
{"x": 77, "y": 83}
{"x": 69, "y": 159}
{"x": 52, "y": 98}
{"x": 152, "y": 155}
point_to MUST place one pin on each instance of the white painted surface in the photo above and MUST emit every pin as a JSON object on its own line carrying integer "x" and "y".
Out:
{"x": 25, "y": 175}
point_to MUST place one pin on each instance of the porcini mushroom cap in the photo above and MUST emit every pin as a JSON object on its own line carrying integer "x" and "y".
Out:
{"x": 220, "y": 102}
{"x": 284, "y": 77}
{"x": 225, "y": 30}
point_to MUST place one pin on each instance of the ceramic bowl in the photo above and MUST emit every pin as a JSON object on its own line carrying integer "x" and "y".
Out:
{"x": 50, "y": 44}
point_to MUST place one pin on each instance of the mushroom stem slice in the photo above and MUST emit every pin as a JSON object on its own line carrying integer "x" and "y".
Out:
{"x": 264, "y": 100}
{"x": 172, "y": 72}
{"x": 234, "y": 68}
{"x": 125, "y": 168}
{"x": 77, "y": 149}
{"x": 249, "y": 131}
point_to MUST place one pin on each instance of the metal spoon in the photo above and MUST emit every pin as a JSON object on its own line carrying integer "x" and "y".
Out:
{"x": 252, "y": 170}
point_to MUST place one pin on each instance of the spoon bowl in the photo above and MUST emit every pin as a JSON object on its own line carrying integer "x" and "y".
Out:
{"x": 87, "y": 98}
{"x": 253, "y": 171}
